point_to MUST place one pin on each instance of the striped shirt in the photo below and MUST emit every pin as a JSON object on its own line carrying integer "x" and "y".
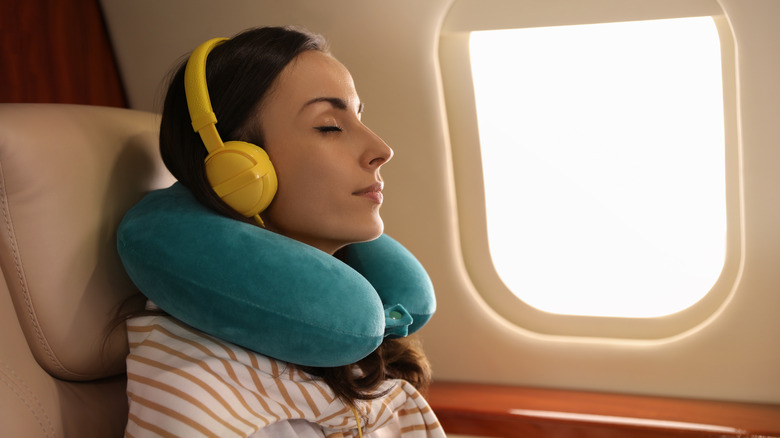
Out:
{"x": 184, "y": 383}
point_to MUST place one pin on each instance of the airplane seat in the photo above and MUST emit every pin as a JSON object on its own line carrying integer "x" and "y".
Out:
{"x": 68, "y": 173}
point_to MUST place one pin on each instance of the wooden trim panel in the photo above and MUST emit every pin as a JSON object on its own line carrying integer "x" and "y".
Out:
{"x": 57, "y": 52}
{"x": 504, "y": 411}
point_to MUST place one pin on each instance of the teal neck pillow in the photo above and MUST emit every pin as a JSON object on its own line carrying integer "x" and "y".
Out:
{"x": 269, "y": 293}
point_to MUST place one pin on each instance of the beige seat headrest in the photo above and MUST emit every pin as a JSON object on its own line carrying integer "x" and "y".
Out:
{"x": 68, "y": 173}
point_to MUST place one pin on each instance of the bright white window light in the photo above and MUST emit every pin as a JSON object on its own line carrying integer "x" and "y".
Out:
{"x": 603, "y": 159}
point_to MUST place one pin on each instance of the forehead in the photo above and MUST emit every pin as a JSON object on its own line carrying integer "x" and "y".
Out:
{"x": 313, "y": 75}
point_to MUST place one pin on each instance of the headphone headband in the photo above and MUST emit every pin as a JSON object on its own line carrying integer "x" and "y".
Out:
{"x": 198, "y": 100}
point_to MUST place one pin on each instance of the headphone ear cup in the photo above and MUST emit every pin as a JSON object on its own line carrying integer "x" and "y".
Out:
{"x": 242, "y": 176}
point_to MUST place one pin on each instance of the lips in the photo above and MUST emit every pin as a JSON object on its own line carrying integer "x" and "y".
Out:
{"x": 372, "y": 192}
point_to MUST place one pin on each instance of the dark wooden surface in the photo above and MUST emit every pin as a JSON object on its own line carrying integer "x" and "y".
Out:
{"x": 503, "y": 411}
{"x": 55, "y": 51}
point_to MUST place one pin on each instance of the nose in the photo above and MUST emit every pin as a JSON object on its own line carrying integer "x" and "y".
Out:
{"x": 377, "y": 152}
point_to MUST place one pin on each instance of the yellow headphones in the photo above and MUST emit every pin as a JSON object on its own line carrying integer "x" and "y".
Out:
{"x": 240, "y": 173}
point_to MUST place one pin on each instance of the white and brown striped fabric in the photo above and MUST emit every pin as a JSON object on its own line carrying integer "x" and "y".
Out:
{"x": 183, "y": 383}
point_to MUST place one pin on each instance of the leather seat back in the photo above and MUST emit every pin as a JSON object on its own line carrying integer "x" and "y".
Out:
{"x": 68, "y": 173}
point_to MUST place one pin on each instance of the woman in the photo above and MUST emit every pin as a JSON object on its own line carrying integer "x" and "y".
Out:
{"x": 279, "y": 89}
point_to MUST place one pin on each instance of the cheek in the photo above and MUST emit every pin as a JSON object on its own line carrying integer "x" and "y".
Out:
{"x": 304, "y": 184}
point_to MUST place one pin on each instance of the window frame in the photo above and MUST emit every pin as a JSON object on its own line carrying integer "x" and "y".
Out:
{"x": 466, "y": 16}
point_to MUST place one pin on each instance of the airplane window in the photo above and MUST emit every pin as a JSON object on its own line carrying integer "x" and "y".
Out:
{"x": 603, "y": 154}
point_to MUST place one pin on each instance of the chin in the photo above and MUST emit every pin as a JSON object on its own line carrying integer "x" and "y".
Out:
{"x": 370, "y": 231}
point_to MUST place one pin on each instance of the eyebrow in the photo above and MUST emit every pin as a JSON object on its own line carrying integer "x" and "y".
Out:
{"x": 336, "y": 102}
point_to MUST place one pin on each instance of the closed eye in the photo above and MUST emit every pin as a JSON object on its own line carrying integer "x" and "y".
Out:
{"x": 328, "y": 129}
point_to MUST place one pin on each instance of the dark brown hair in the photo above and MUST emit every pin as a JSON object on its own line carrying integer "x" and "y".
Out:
{"x": 240, "y": 73}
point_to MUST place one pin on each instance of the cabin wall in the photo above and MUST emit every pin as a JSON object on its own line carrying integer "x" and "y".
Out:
{"x": 391, "y": 48}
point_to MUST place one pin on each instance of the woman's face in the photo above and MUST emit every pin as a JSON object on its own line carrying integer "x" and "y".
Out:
{"x": 327, "y": 161}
